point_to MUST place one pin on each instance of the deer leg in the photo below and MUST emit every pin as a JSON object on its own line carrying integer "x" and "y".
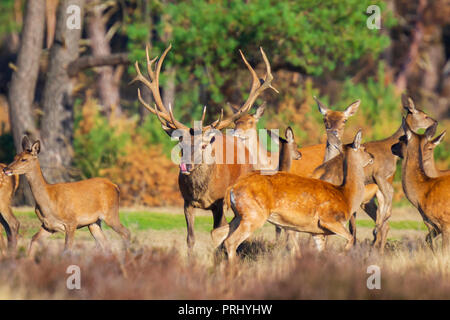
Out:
{"x": 352, "y": 226}
{"x": 384, "y": 212}
{"x": 445, "y": 241}
{"x": 242, "y": 232}
{"x": 99, "y": 236}
{"x": 292, "y": 242}
{"x": 11, "y": 225}
{"x": 70, "y": 236}
{"x": 190, "y": 218}
{"x": 277, "y": 233}
{"x": 339, "y": 229}
{"x": 113, "y": 221}
{"x": 37, "y": 238}
{"x": 218, "y": 214}
{"x": 432, "y": 233}
{"x": 320, "y": 241}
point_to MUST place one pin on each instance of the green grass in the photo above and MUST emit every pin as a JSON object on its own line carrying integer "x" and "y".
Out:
{"x": 144, "y": 220}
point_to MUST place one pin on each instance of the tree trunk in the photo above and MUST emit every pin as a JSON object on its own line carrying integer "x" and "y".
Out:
{"x": 108, "y": 87}
{"x": 57, "y": 121}
{"x": 23, "y": 83}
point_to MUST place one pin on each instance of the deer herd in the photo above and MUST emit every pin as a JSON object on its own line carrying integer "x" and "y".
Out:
{"x": 315, "y": 189}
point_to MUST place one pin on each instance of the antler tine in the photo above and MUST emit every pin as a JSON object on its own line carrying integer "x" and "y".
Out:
{"x": 258, "y": 86}
{"x": 203, "y": 115}
{"x": 153, "y": 84}
{"x": 162, "y": 117}
{"x": 216, "y": 123}
{"x": 269, "y": 76}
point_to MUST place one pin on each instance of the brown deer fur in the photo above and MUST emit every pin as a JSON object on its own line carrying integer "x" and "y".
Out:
{"x": 297, "y": 203}
{"x": 8, "y": 186}
{"x": 430, "y": 195}
{"x": 66, "y": 207}
{"x": 202, "y": 184}
{"x": 381, "y": 172}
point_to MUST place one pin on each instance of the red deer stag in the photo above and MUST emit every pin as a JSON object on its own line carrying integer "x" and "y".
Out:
{"x": 66, "y": 207}
{"x": 296, "y": 203}
{"x": 202, "y": 184}
{"x": 428, "y": 194}
{"x": 8, "y": 186}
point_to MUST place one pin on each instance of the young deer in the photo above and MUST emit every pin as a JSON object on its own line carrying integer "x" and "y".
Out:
{"x": 429, "y": 195}
{"x": 296, "y": 203}
{"x": 8, "y": 186}
{"x": 66, "y": 207}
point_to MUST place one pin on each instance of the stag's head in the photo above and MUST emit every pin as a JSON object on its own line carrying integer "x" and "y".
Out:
{"x": 196, "y": 144}
{"x": 26, "y": 160}
{"x": 334, "y": 121}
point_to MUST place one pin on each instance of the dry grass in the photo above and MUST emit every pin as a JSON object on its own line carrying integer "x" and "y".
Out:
{"x": 157, "y": 267}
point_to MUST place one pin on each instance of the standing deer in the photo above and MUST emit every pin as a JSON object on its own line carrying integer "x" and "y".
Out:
{"x": 428, "y": 194}
{"x": 202, "y": 184}
{"x": 8, "y": 186}
{"x": 245, "y": 129}
{"x": 381, "y": 173}
{"x": 65, "y": 207}
{"x": 296, "y": 203}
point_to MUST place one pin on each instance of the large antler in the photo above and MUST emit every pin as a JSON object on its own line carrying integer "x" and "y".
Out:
{"x": 165, "y": 115}
{"x": 258, "y": 86}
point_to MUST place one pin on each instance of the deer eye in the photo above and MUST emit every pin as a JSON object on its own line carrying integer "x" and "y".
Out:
{"x": 23, "y": 160}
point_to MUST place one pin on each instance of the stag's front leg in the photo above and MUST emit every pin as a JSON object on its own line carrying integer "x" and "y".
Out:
{"x": 190, "y": 219}
{"x": 219, "y": 214}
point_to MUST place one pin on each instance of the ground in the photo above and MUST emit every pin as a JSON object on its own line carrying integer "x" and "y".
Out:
{"x": 157, "y": 265}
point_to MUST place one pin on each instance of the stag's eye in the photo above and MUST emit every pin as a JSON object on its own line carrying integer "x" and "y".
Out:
{"x": 23, "y": 160}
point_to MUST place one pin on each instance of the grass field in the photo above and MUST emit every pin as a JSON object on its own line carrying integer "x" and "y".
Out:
{"x": 157, "y": 265}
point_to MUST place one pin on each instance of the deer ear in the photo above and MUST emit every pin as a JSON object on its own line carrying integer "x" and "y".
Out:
{"x": 357, "y": 141}
{"x": 351, "y": 109}
{"x": 234, "y": 108}
{"x": 438, "y": 139}
{"x": 289, "y": 134}
{"x": 408, "y": 104}
{"x": 334, "y": 141}
{"x": 323, "y": 110}
{"x": 406, "y": 128}
{"x": 431, "y": 131}
{"x": 26, "y": 143}
{"x": 36, "y": 148}
{"x": 259, "y": 112}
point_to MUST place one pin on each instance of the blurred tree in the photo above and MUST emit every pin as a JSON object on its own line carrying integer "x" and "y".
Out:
{"x": 57, "y": 120}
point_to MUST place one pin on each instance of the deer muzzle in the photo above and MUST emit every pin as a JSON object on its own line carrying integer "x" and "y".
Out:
{"x": 7, "y": 171}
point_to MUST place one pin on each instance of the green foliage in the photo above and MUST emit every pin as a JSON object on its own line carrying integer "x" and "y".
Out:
{"x": 380, "y": 105}
{"x": 316, "y": 36}
{"x": 8, "y": 24}
{"x": 97, "y": 148}
{"x": 154, "y": 135}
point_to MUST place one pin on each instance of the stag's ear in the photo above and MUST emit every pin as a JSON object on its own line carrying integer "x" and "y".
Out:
{"x": 408, "y": 104}
{"x": 322, "y": 108}
{"x": 334, "y": 141}
{"x": 26, "y": 143}
{"x": 351, "y": 109}
{"x": 259, "y": 112}
{"x": 357, "y": 141}
{"x": 431, "y": 131}
{"x": 438, "y": 139}
{"x": 36, "y": 148}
